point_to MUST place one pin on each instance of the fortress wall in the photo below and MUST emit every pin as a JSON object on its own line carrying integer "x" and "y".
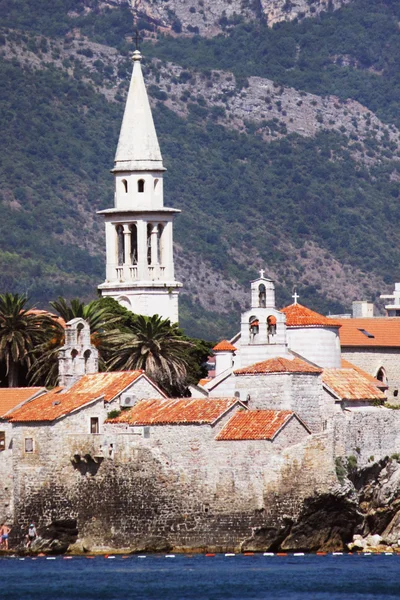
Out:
{"x": 179, "y": 485}
{"x": 6, "y": 475}
{"x": 369, "y": 434}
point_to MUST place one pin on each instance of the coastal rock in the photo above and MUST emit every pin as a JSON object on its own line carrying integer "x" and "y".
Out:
{"x": 325, "y": 523}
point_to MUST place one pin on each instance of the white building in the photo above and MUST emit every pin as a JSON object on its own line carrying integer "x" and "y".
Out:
{"x": 139, "y": 239}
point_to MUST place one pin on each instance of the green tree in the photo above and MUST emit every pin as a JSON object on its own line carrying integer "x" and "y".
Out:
{"x": 157, "y": 347}
{"x": 21, "y": 331}
{"x": 101, "y": 316}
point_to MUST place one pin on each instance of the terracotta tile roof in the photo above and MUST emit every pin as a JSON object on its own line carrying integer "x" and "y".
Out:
{"x": 176, "y": 411}
{"x": 375, "y": 332}
{"x": 279, "y": 365}
{"x": 224, "y": 346}
{"x": 204, "y": 380}
{"x": 298, "y": 315}
{"x": 347, "y": 384}
{"x": 10, "y": 398}
{"x": 254, "y": 425}
{"x": 107, "y": 384}
{"x": 38, "y": 311}
{"x": 346, "y": 364}
{"x": 57, "y": 403}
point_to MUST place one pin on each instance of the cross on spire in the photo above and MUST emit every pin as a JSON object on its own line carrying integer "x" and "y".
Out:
{"x": 295, "y": 296}
{"x": 262, "y": 273}
{"x": 137, "y": 39}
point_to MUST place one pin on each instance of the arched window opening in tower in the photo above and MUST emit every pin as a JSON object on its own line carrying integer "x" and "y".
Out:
{"x": 125, "y": 185}
{"x": 74, "y": 354}
{"x": 381, "y": 376}
{"x": 86, "y": 356}
{"x": 156, "y": 186}
{"x": 271, "y": 325}
{"x": 149, "y": 229}
{"x": 121, "y": 244}
{"x": 160, "y": 243}
{"x": 134, "y": 245}
{"x": 140, "y": 186}
{"x": 254, "y": 325}
{"x": 79, "y": 333}
{"x": 262, "y": 296}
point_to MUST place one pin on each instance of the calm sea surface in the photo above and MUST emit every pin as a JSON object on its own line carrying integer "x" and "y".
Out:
{"x": 220, "y": 578}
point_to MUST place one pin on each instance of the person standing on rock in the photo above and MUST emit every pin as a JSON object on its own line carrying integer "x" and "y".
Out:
{"x": 32, "y": 535}
{"x": 4, "y": 532}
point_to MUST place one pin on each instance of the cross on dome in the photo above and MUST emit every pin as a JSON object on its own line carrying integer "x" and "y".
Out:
{"x": 137, "y": 39}
{"x": 295, "y": 296}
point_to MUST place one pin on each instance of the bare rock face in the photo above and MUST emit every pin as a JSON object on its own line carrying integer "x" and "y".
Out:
{"x": 207, "y": 17}
{"x": 325, "y": 523}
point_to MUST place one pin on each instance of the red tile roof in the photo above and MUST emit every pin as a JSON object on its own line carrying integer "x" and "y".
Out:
{"x": 279, "y": 365}
{"x": 298, "y": 315}
{"x": 254, "y": 425}
{"x": 346, "y": 364}
{"x": 176, "y": 411}
{"x": 224, "y": 346}
{"x": 385, "y": 332}
{"x": 204, "y": 380}
{"x": 57, "y": 403}
{"x": 10, "y": 398}
{"x": 347, "y": 384}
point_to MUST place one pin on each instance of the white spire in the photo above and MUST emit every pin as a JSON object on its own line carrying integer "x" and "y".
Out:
{"x": 138, "y": 147}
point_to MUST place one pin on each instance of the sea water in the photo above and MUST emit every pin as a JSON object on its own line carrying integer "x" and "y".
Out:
{"x": 220, "y": 577}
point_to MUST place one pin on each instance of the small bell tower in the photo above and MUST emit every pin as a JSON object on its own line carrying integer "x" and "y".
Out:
{"x": 263, "y": 327}
{"x": 78, "y": 356}
{"x": 139, "y": 238}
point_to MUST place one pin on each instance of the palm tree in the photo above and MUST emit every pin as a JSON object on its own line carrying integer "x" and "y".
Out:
{"x": 100, "y": 319}
{"x": 21, "y": 331}
{"x": 154, "y": 345}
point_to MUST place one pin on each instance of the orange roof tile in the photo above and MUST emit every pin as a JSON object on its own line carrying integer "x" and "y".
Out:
{"x": 279, "y": 365}
{"x": 298, "y": 315}
{"x": 176, "y": 411}
{"x": 57, "y": 403}
{"x": 38, "y": 311}
{"x": 346, "y": 364}
{"x": 204, "y": 380}
{"x": 224, "y": 346}
{"x": 347, "y": 384}
{"x": 379, "y": 332}
{"x": 254, "y": 425}
{"x": 10, "y": 398}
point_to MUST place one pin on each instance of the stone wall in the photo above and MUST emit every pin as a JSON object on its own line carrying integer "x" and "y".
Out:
{"x": 368, "y": 433}
{"x": 372, "y": 359}
{"x": 176, "y": 486}
{"x": 301, "y": 393}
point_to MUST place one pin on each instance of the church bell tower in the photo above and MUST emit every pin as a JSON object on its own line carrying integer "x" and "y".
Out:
{"x": 139, "y": 239}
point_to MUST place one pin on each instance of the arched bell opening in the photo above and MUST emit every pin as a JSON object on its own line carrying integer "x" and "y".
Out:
{"x": 262, "y": 295}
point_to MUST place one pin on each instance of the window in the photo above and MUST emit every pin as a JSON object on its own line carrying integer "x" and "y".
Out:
{"x": 149, "y": 230}
{"x": 140, "y": 186}
{"x": 160, "y": 243}
{"x": 125, "y": 185}
{"x": 156, "y": 186}
{"x": 2, "y": 440}
{"x": 134, "y": 245}
{"x": 367, "y": 333}
{"x": 262, "y": 296}
{"x": 86, "y": 356}
{"x": 94, "y": 424}
{"x": 121, "y": 244}
{"x": 28, "y": 445}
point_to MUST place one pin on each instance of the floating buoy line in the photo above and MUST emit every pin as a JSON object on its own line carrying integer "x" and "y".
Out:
{"x": 207, "y": 555}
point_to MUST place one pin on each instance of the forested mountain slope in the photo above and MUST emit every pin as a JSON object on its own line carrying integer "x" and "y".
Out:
{"x": 281, "y": 143}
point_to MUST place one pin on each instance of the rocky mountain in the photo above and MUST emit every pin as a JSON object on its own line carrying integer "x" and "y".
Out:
{"x": 280, "y": 134}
